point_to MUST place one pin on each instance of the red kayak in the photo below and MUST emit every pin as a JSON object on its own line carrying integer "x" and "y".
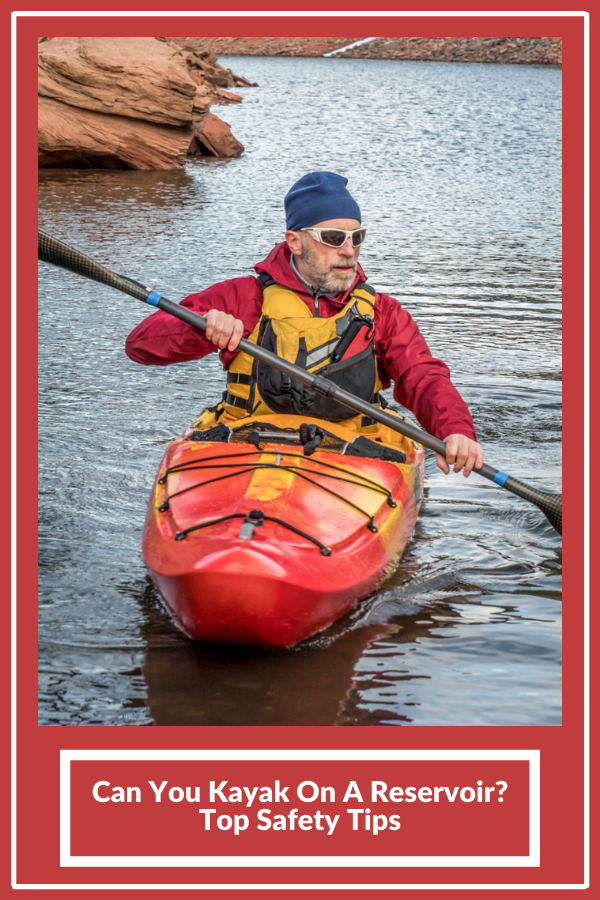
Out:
{"x": 255, "y": 535}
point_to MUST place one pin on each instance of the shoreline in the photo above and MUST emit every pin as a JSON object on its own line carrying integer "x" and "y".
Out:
{"x": 505, "y": 50}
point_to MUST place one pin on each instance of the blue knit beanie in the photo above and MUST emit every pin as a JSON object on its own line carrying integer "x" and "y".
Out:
{"x": 317, "y": 197}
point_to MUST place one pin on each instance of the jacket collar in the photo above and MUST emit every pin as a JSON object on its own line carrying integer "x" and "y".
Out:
{"x": 278, "y": 265}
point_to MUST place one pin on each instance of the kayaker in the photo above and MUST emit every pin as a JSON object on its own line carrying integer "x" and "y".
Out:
{"x": 312, "y": 285}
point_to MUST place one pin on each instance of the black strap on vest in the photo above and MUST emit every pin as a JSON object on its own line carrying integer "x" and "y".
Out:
{"x": 366, "y": 421}
{"x": 238, "y": 378}
{"x": 265, "y": 280}
{"x": 234, "y": 401}
{"x": 363, "y": 286}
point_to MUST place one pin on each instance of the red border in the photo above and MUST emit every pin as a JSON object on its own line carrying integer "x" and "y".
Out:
{"x": 561, "y": 747}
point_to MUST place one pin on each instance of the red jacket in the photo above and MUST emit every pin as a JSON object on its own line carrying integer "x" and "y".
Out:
{"x": 421, "y": 383}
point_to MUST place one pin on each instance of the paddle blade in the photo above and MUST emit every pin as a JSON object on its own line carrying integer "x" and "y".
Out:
{"x": 51, "y": 250}
{"x": 549, "y": 502}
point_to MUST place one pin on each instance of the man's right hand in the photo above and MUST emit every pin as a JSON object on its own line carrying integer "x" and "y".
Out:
{"x": 223, "y": 330}
{"x": 460, "y": 451}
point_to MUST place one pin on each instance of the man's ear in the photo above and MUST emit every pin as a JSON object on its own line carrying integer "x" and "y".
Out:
{"x": 292, "y": 239}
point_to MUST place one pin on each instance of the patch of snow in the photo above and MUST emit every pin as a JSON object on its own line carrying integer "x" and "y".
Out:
{"x": 350, "y": 46}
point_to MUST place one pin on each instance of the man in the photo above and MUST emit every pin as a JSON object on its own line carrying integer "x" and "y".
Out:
{"x": 317, "y": 269}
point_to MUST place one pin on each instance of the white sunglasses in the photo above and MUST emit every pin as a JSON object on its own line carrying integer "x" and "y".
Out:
{"x": 337, "y": 237}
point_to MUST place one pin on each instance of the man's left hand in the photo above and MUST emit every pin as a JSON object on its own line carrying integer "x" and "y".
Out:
{"x": 461, "y": 452}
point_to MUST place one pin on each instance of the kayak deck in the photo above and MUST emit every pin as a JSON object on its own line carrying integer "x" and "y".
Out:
{"x": 262, "y": 545}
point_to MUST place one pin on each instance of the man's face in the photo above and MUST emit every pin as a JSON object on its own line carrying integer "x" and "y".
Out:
{"x": 330, "y": 269}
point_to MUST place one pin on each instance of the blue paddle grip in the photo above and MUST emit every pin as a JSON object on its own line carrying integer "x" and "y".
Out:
{"x": 153, "y": 298}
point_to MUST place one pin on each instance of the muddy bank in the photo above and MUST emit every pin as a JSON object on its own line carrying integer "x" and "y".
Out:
{"x": 519, "y": 50}
{"x": 539, "y": 50}
{"x": 264, "y": 46}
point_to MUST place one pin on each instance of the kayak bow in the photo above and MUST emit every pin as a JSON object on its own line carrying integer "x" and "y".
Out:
{"x": 250, "y": 541}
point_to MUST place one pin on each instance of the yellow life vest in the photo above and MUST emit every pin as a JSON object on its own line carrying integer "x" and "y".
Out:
{"x": 341, "y": 348}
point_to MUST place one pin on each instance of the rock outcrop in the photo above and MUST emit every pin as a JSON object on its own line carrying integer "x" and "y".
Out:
{"x": 72, "y": 136}
{"x": 214, "y": 138}
{"x": 226, "y": 97}
{"x": 202, "y": 57}
{"x": 127, "y": 103}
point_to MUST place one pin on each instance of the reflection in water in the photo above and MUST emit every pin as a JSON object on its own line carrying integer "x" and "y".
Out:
{"x": 211, "y": 685}
{"x": 91, "y": 189}
{"x": 457, "y": 169}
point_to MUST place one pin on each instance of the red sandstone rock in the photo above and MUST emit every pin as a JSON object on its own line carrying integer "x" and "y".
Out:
{"x": 215, "y": 139}
{"x": 68, "y": 136}
{"x": 127, "y": 103}
{"x": 225, "y": 97}
{"x": 141, "y": 78}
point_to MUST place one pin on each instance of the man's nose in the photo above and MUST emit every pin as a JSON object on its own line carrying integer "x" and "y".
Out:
{"x": 347, "y": 249}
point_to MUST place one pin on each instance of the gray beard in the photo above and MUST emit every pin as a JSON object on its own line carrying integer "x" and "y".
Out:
{"x": 321, "y": 276}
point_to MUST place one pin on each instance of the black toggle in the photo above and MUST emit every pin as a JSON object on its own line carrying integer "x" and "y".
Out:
{"x": 254, "y": 439}
{"x": 311, "y": 436}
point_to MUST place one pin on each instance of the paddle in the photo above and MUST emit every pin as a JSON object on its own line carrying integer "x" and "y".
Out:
{"x": 58, "y": 253}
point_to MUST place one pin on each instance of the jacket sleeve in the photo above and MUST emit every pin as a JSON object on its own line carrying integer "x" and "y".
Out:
{"x": 162, "y": 339}
{"x": 421, "y": 382}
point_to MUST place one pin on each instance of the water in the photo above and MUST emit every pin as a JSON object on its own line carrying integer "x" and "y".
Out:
{"x": 457, "y": 170}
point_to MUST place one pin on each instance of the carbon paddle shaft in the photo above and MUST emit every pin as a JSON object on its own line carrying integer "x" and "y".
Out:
{"x": 60, "y": 254}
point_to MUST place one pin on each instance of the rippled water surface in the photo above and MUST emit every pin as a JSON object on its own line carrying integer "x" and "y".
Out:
{"x": 457, "y": 170}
